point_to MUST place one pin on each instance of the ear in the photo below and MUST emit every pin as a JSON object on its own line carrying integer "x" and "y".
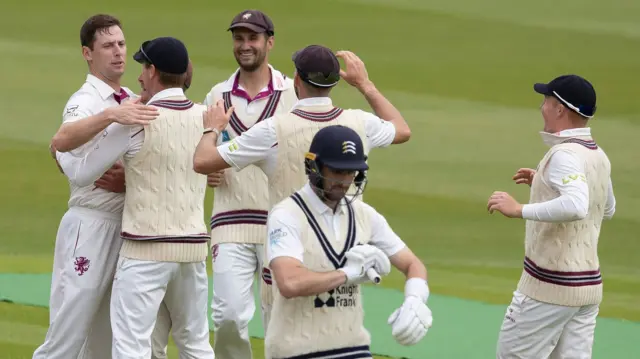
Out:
{"x": 270, "y": 42}
{"x": 87, "y": 53}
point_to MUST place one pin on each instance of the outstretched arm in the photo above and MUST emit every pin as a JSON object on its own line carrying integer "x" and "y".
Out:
{"x": 80, "y": 125}
{"x": 251, "y": 147}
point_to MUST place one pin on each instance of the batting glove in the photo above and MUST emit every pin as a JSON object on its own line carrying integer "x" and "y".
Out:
{"x": 362, "y": 257}
{"x": 410, "y": 322}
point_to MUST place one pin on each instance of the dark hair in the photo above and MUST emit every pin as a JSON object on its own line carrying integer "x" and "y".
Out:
{"x": 95, "y": 24}
{"x": 170, "y": 80}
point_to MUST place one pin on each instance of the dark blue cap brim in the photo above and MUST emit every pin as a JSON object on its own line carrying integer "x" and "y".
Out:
{"x": 542, "y": 89}
{"x": 139, "y": 57}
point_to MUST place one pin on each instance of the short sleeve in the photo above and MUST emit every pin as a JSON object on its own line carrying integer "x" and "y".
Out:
{"x": 79, "y": 106}
{"x": 379, "y": 132}
{"x": 283, "y": 235}
{"x": 382, "y": 236}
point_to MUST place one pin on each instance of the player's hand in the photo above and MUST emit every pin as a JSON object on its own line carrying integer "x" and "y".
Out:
{"x": 524, "y": 175}
{"x": 216, "y": 117}
{"x": 52, "y": 152}
{"x": 355, "y": 73}
{"x": 362, "y": 257}
{"x": 215, "y": 179}
{"x": 410, "y": 322}
{"x": 505, "y": 204}
{"x": 132, "y": 112}
{"x": 112, "y": 180}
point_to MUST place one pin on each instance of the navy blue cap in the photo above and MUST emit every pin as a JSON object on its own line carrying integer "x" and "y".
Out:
{"x": 167, "y": 54}
{"x": 575, "y": 92}
{"x": 339, "y": 148}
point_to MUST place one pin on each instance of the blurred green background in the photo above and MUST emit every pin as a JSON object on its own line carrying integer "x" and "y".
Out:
{"x": 461, "y": 73}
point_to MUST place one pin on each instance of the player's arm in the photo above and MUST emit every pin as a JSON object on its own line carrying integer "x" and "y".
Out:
{"x": 84, "y": 170}
{"x": 80, "y": 125}
{"x": 566, "y": 176}
{"x": 410, "y": 322}
{"x": 384, "y": 238}
{"x": 610, "y": 206}
{"x": 285, "y": 255}
{"x": 251, "y": 147}
{"x": 386, "y": 111}
{"x": 356, "y": 75}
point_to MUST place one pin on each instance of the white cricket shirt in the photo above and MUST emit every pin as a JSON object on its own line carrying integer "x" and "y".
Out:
{"x": 256, "y": 146}
{"x": 285, "y": 231}
{"x": 118, "y": 141}
{"x": 92, "y": 98}
{"x": 574, "y": 195}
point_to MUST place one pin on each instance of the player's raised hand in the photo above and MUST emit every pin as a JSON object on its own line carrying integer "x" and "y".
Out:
{"x": 215, "y": 179}
{"x": 216, "y": 117}
{"x": 410, "y": 322}
{"x": 355, "y": 73}
{"x": 133, "y": 112}
{"x": 505, "y": 204}
{"x": 524, "y": 175}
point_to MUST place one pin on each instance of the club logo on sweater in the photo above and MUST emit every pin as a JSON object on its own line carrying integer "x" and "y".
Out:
{"x": 341, "y": 297}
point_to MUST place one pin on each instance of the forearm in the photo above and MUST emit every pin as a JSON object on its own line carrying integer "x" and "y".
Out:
{"x": 83, "y": 171}
{"x": 72, "y": 135}
{"x": 206, "y": 158}
{"x": 305, "y": 283}
{"x": 416, "y": 270}
{"x": 384, "y": 109}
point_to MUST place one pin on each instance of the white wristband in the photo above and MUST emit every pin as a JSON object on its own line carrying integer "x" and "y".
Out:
{"x": 417, "y": 287}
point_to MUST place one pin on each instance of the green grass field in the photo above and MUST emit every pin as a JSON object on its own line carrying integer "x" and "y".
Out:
{"x": 461, "y": 73}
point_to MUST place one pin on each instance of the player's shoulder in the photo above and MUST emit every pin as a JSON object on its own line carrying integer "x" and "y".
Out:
{"x": 86, "y": 94}
{"x": 361, "y": 206}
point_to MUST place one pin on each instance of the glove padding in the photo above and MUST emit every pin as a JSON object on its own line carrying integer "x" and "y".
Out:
{"x": 362, "y": 257}
{"x": 410, "y": 322}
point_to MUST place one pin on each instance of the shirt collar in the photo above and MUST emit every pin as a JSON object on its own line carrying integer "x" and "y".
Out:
{"x": 278, "y": 81}
{"x": 313, "y": 101}
{"x": 103, "y": 89}
{"x": 552, "y": 139}
{"x": 166, "y": 93}
{"x": 316, "y": 203}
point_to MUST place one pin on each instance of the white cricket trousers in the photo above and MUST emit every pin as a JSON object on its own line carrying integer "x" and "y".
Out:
{"x": 235, "y": 266}
{"x": 140, "y": 287}
{"x": 84, "y": 263}
{"x": 533, "y": 329}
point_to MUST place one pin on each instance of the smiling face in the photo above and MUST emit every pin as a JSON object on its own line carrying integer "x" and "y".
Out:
{"x": 251, "y": 48}
{"x": 106, "y": 56}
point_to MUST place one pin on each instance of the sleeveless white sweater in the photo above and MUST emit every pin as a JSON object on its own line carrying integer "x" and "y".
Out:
{"x": 561, "y": 264}
{"x": 241, "y": 203}
{"x": 163, "y": 218}
{"x": 321, "y": 326}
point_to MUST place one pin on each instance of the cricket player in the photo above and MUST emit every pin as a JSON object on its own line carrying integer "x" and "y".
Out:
{"x": 163, "y": 256}
{"x": 88, "y": 241}
{"x": 317, "y": 263}
{"x": 241, "y": 202}
{"x": 277, "y": 145}
{"x": 554, "y": 308}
